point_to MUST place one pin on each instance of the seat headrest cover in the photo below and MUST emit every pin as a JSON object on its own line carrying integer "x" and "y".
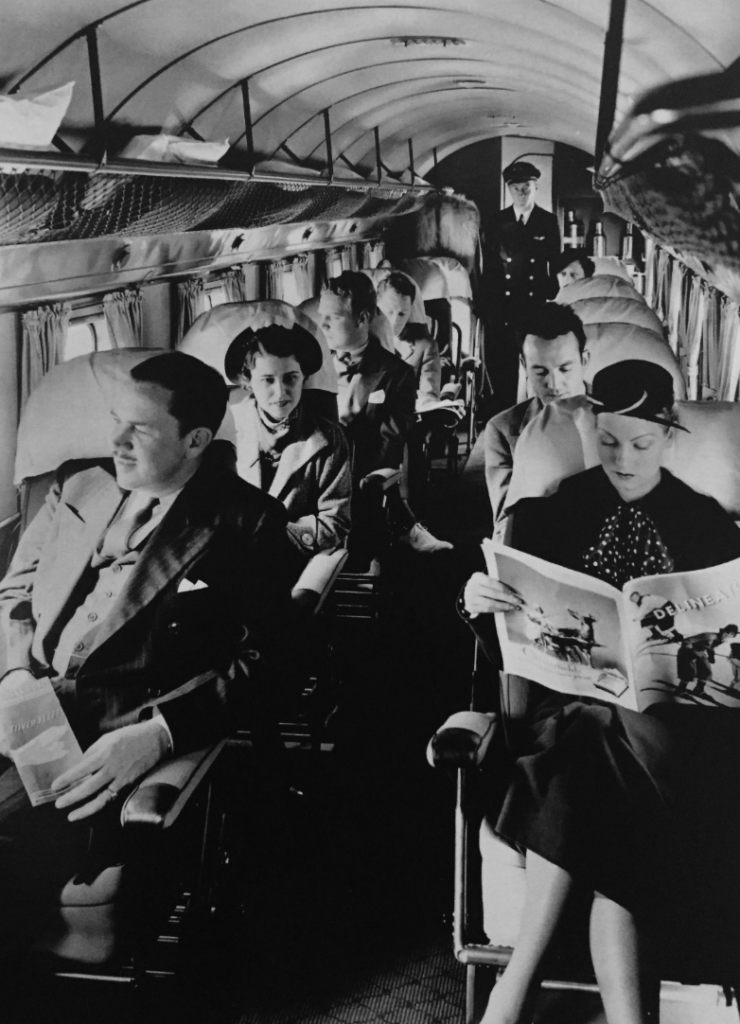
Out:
{"x": 614, "y": 310}
{"x": 609, "y": 343}
{"x": 67, "y": 415}
{"x": 457, "y": 277}
{"x": 611, "y": 265}
{"x": 428, "y": 276}
{"x": 600, "y": 286}
{"x": 706, "y": 458}
{"x": 213, "y": 332}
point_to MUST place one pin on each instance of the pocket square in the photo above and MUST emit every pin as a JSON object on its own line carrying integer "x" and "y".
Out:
{"x": 376, "y": 398}
{"x": 186, "y": 586}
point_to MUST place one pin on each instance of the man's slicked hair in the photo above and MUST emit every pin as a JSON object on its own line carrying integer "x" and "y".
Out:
{"x": 399, "y": 283}
{"x": 552, "y": 321}
{"x": 198, "y": 393}
{"x": 356, "y": 287}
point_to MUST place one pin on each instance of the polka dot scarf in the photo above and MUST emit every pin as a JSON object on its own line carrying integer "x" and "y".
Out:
{"x": 629, "y": 546}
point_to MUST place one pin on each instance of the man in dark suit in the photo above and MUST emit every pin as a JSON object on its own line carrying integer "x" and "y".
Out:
{"x": 523, "y": 242}
{"x": 377, "y": 394}
{"x": 138, "y": 589}
{"x": 552, "y": 355}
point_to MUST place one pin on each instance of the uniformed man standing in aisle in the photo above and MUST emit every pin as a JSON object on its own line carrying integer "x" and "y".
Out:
{"x": 523, "y": 242}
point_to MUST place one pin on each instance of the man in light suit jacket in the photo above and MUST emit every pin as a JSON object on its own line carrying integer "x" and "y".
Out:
{"x": 377, "y": 393}
{"x": 138, "y": 589}
{"x": 412, "y": 341}
{"x": 553, "y": 356}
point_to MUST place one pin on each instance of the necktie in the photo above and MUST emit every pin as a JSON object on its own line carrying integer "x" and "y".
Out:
{"x": 117, "y": 539}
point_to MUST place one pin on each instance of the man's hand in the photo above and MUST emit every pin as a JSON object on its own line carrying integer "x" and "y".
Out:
{"x": 113, "y": 762}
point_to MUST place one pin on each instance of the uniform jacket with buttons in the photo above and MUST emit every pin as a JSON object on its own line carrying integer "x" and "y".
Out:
{"x": 313, "y": 478}
{"x": 206, "y": 591}
{"x": 521, "y": 260}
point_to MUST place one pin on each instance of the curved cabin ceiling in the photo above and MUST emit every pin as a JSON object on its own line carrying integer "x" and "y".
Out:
{"x": 443, "y": 75}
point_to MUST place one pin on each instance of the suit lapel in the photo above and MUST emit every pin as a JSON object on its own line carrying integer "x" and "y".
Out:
{"x": 167, "y": 554}
{"x": 294, "y": 458}
{"x": 79, "y": 533}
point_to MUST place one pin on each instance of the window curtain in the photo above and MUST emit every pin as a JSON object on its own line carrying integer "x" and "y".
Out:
{"x": 302, "y": 278}
{"x": 44, "y": 335}
{"x": 122, "y": 311}
{"x": 710, "y": 353}
{"x": 728, "y": 375}
{"x": 695, "y": 325}
{"x": 333, "y": 263}
{"x": 373, "y": 253}
{"x": 675, "y": 313}
{"x": 275, "y": 272}
{"x": 190, "y": 304}
{"x": 235, "y": 285}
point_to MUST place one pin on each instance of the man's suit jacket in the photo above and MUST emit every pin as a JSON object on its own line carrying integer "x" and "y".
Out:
{"x": 163, "y": 644}
{"x": 421, "y": 353}
{"x": 313, "y": 479}
{"x": 501, "y": 435}
{"x": 520, "y": 260}
{"x": 381, "y": 410}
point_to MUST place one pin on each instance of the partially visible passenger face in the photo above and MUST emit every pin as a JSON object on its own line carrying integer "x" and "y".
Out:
{"x": 148, "y": 450}
{"x": 397, "y": 308}
{"x": 631, "y": 452}
{"x": 554, "y": 368}
{"x": 277, "y": 384}
{"x": 573, "y": 272}
{"x": 344, "y": 331}
{"x": 523, "y": 193}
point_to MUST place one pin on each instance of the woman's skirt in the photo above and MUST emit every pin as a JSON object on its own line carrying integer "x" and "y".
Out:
{"x": 641, "y": 808}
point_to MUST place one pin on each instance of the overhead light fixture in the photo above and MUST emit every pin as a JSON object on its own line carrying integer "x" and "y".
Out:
{"x": 469, "y": 83}
{"x": 426, "y": 41}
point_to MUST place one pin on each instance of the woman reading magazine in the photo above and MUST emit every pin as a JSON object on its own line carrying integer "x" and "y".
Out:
{"x": 640, "y": 809}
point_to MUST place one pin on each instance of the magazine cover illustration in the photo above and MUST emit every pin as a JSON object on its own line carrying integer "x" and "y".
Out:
{"x": 674, "y": 637}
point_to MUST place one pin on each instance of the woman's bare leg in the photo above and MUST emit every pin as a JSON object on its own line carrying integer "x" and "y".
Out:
{"x": 619, "y": 959}
{"x": 548, "y": 888}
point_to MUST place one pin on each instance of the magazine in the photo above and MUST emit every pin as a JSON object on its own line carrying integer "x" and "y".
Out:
{"x": 674, "y": 637}
{"x": 42, "y": 744}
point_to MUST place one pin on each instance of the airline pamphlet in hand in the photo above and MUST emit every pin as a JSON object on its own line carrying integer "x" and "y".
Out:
{"x": 674, "y": 637}
{"x": 42, "y": 744}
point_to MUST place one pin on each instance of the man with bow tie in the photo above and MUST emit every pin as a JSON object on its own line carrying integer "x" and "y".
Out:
{"x": 523, "y": 242}
{"x": 139, "y": 589}
{"x": 376, "y": 399}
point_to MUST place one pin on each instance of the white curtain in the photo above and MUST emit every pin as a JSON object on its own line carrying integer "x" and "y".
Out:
{"x": 123, "y": 318}
{"x": 303, "y": 285}
{"x": 275, "y": 272}
{"x": 729, "y": 351}
{"x": 44, "y": 335}
{"x": 373, "y": 253}
{"x": 676, "y": 312}
{"x": 333, "y": 263}
{"x": 190, "y": 304}
{"x": 235, "y": 285}
{"x": 695, "y": 327}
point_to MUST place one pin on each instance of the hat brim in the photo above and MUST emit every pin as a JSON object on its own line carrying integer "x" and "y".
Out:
{"x": 598, "y": 407}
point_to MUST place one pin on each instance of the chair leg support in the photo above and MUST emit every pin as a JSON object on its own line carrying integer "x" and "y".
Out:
{"x": 470, "y": 994}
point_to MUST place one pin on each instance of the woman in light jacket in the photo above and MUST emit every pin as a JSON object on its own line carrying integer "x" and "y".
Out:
{"x": 295, "y": 455}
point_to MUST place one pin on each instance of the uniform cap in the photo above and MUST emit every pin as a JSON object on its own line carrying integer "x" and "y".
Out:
{"x": 520, "y": 170}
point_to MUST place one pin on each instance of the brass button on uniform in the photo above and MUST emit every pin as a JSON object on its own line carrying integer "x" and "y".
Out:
{"x": 307, "y": 538}
{"x": 93, "y": 617}
{"x": 79, "y": 646}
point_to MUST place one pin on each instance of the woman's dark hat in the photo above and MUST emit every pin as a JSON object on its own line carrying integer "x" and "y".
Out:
{"x": 569, "y": 256}
{"x": 520, "y": 170}
{"x": 634, "y": 388}
{"x": 302, "y": 342}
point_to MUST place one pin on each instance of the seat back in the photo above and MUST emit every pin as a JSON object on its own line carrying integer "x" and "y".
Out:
{"x": 600, "y": 286}
{"x": 617, "y": 309}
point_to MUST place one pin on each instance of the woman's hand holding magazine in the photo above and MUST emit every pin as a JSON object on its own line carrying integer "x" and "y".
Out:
{"x": 486, "y": 595}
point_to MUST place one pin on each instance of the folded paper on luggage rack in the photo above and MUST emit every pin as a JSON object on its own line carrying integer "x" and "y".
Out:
{"x": 42, "y": 744}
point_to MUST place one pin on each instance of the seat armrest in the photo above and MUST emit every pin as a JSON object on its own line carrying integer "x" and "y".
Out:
{"x": 315, "y": 582}
{"x": 165, "y": 790}
{"x": 382, "y": 478}
{"x": 463, "y": 740}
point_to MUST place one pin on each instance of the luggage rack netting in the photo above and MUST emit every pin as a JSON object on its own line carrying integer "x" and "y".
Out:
{"x": 46, "y": 206}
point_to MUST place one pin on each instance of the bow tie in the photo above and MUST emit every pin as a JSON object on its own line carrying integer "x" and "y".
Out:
{"x": 350, "y": 368}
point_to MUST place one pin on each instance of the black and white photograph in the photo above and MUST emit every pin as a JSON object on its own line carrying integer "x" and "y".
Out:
{"x": 369, "y": 507}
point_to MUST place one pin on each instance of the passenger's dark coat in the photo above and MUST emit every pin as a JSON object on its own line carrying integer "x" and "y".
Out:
{"x": 158, "y": 647}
